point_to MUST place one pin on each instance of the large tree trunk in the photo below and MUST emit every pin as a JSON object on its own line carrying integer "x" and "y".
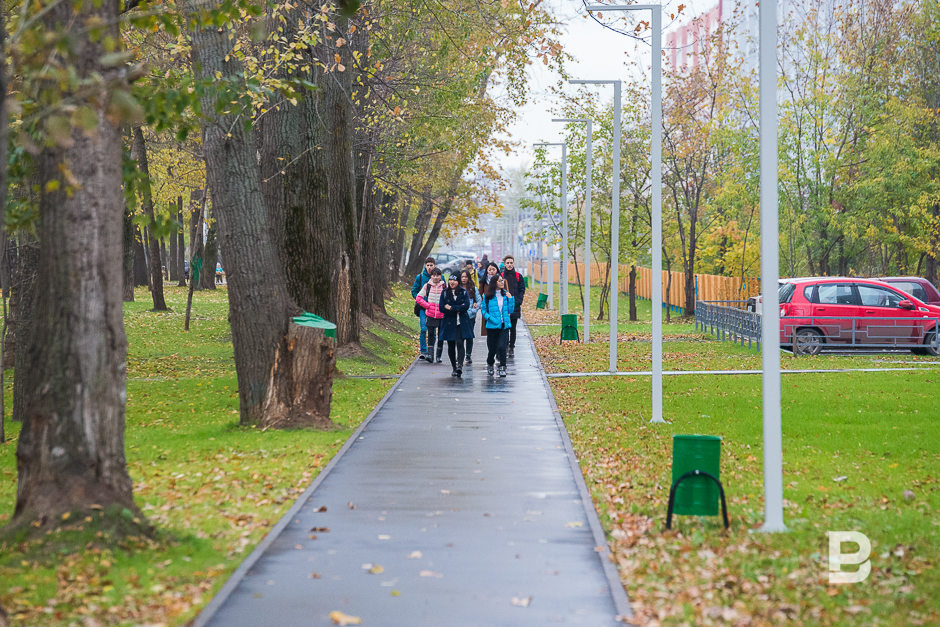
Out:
{"x": 127, "y": 259}
{"x": 260, "y": 306}
{"x": 71, "y": 448}
{"x": 153, "y": 243}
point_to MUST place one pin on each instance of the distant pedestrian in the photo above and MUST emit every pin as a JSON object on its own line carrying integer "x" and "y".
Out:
{"x": 429, "y": 299}
{"x": 497, "y": 306}
{"x": 476, "y": 301}
{"x": 419, "y": 282}
{"x": 469, "y": 267}
{"x": 515, "y": 285}
{"x": 456, "y": 326}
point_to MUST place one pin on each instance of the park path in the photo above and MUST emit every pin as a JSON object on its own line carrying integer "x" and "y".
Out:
{"x": 458, "y": 502}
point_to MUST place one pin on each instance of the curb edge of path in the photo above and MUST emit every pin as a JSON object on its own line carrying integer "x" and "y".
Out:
{"x": 621, "y": 602}
{"x": 209, "y": 611}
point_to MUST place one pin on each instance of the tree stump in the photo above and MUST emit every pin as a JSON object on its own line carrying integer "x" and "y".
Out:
{"x": 301, "y": 385}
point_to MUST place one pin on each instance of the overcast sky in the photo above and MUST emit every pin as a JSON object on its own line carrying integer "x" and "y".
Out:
{"x": 598, "y": 52}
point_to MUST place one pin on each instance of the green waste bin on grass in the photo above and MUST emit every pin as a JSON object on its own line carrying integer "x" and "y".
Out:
{"x": 569, "y": 327}
{"x": 542, "y": 301}
{"x": 696, "y": 496}
{"x": 307, "y": 319}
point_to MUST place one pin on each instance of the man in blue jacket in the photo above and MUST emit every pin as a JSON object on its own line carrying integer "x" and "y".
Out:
{"x": 515, "y": 285}
{"x": 420, "y": 280}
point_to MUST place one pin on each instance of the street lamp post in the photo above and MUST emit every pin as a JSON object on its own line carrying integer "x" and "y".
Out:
{"x": 587, "y": 224}
{"x": 656, "y": 119}
{"x": 563, "y": 268}
{"x": 614, "y": 217}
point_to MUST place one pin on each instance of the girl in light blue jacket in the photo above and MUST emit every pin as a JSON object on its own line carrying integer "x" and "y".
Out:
{"x": 476, "y": 301}
{"x": 498, "y": 304}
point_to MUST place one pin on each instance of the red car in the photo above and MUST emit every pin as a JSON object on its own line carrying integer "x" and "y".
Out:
{"x": 860, "y": 313}
{"x": 916, "y": 286}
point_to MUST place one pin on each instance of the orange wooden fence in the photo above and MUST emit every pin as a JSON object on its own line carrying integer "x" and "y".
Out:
{"x": 710, "y": 286}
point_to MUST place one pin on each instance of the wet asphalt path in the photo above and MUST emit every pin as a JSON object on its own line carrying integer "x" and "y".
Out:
{"x": 456, "y": 504}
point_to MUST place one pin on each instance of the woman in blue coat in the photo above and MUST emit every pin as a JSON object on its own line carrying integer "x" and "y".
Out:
{"x": 498, "y": 305}
{"x": 456, "y": 326}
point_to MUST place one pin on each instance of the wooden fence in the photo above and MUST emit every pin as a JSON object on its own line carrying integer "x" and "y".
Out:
{"x": 707, "y": 286}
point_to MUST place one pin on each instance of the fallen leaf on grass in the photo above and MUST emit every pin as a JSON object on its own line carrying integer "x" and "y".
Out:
{"x": 341, "y": 619}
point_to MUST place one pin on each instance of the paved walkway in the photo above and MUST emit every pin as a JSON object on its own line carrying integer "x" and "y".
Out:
{"x": 457, "y": 503}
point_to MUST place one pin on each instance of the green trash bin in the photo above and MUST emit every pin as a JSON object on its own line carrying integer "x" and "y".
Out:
{"x": 696, "y": 496}
{"x": 569, "y": 327}
{"x": 307, "y": 319}
{"x": 542, "y": 301}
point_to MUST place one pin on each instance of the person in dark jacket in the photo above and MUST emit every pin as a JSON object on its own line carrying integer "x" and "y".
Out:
{"x": 515, "y": 285}
{"x": 456, "y": 325}
{"x": 420, "y": 282}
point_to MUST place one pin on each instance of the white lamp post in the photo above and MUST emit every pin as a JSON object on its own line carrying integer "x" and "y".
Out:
{"x": 563, "y": 269}
{"x": 587, "y": 224}
{"x": 656, "y": 119}
{"x": 614, "y": 218}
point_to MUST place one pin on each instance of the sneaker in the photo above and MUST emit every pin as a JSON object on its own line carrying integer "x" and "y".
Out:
{"x": 455, "y": 373}
{"x": 502, "y": 371}
{"x": 421, "y": 356}
{"x": 511, "y": 352}
{"x": 459, "y": 372}
{"x": 489, "y": 370}
{"x": 428, "y": 358}
{"x": 467, "y": 360}
{"x": 438, "y": 361}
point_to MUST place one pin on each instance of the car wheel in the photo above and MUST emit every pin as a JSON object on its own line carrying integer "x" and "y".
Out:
{"x": 930, "y": 347}
{"x": 808, "y": 342}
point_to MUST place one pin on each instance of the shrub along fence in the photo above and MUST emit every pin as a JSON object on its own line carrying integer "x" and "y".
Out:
{"x": 708, "y": 287}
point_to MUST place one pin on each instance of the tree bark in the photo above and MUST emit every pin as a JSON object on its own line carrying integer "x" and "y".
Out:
{"x": 210, "y": 258}
{"x": 260, "y": 306}
{"x": 180, "y": 244}
{"x": 140, "y": 260}
{"x": 171, "y": 273}
{"x": 153, "y": 243}
{"x": 22, "y": 319}
{"x": 404, "y": 212}
{"x": 71, "y": 448}
{"x": 633, "y": 316}
{"x": 127, "y": 259}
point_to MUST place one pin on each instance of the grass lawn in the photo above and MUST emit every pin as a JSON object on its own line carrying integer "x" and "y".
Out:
{"x": 211, "y": 488}
{"x": 861, "y": 452}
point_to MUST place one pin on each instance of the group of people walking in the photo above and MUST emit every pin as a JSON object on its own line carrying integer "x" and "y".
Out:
{"x": 448, "y": 311}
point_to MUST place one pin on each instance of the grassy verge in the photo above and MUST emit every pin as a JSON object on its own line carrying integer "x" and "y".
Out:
{"x": 211, "y": 487}
{"x": 860, "y": 453}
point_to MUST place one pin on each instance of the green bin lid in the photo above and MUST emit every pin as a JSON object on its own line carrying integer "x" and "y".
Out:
{"x": 307, "y": 319}
{"x": 696, "y": 437}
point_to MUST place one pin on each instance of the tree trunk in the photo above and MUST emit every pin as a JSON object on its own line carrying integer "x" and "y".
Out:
{"x": 153, "y": 244}
{"x": 171, "y": 258}
{"x": 180, "y": 244}
{"x": 267, "y": 379}
{"x": 71, "y": 448}
{"x": 22, "y": 317}
{"x": 140, "y": 260}
{"x": 633, "y": 316}
{"x": 210, "y": 258}
{"x": 422, "y": 220}
{"x": 127, "y": 259}
{"x": 196, "y": 250}
{"x": 404, "y": 212}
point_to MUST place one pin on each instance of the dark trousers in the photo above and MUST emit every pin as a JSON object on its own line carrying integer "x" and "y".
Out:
{"x": 432, "y": 340}
{"x": 512, "y": 331}
{"x": 468, "y": 346}
{"x": 455, "y": 352}
{"x": 496, "y": 340}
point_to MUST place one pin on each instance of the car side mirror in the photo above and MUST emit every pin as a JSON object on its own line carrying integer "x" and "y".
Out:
{"x": 906, "y": 304}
